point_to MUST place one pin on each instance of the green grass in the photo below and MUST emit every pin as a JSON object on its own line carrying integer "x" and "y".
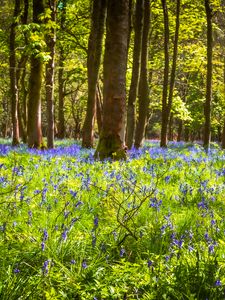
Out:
{"x": 148, "y": 228}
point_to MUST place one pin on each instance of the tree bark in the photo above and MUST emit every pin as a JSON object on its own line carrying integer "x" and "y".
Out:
{"x": 50, "y": 74}
{"x": 179, "y": 131}
{"x": 208, "y": 100}
{"x": 13, "y": 79}
{"x": 99, "y": 108}
{"x": 35, "y": 83}
{"x": 135, "y": 72}
{"x": 223, "y": 134}
{"x": 163, "y": 142}
{"x": 93, "y": 65}
{"x": 112, "y": 138}
{"x": 61, "y": 81}
{"x": 143, "y": 99}
{"x": 167, "y": 104}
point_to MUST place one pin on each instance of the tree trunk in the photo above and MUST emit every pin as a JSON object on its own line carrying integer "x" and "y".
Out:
{"x": 13, "y": 80}
{"x": 179, "y": 131}
{"x": 99, "y": 108}
{"x": 163, "y": 142}
{"x": 93, "y": 64}
{"x": 223, "y": 134}
{"x": 166, "y": 105}
{"x": 135, "y": 72}
{"x": 61, "y": 81}
{"x": 207, "y": 107}
{"x": 21, "y": 80}
{"x": 50, "y": 73}
{"x": 35, "y": 82}
{"x": 143, "y": 100}
{"x": 112, "y": 138}
{"x": 170, "y": 133}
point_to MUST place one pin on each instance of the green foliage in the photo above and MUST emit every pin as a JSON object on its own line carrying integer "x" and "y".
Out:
{"x": 149, "y": 228}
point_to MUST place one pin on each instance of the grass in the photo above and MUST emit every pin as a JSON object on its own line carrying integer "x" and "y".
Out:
{"x": 148, "y": 228}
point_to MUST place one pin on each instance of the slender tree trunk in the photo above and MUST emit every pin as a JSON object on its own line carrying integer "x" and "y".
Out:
{"x": 163, "y": 142}
{"x": 166, "y": 105}
{"x": 93, "y": 64}
{"x": 35, "y": 83}
{"x": 99, "y": 108}
{"x": 135, "y": 72}
{"x": 13, "y": 80}
{"x": 179, "y": 131}
{"x": 112, "y": 137}
{"x": 143, "y": 99}
{"x": 223, "y": 134}
{"x": 21, "y": 80}
{"x": 207, "y": 107}
{"x": 50, "y": 74}
{"x": 61, "y": 82}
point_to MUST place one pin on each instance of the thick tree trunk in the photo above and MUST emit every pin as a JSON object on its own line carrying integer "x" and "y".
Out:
{"x": 93, "y": 64}
{"x": 13, "y": 79}
{"x": 170, "y": 133}
{"x": 112, "y": 138}
{"x": 135, "y": 72}
{"x": 34, "y": 100}
{"x": 143, "y": 99}
{"x": 207, "y": 107}
{"x": 50, "y": 74}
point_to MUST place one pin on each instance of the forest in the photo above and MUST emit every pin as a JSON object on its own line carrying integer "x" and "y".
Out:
{"x": 112, "y": 138}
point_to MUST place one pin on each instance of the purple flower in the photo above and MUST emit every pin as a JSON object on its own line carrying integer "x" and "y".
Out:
{"x": 72, "y": 261}
{"x": 45, "y": 267}
{"x": 16, "y": 270}
{"x": 218, "y": 283}
{"x": 84, "y": 264}
{"x": 149, "y": 263}
{"x": 45, "y": 235}
{"x": 42, "y": 246}
{"x": 96, "y": 221}
{"x": 122, "y": 252}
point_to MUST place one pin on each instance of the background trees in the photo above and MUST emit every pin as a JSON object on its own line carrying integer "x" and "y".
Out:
{"x": 190, "y": 109}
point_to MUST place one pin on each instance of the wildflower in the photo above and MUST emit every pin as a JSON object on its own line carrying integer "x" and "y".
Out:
{"x": 84, "y": 264}
{"x": 45, "y": 266}
{"x": 42, "y": 246}
{"x": 149, "y": 263}
{"x": 122, "y": 252}
{"x": 218, "y": 283}
{"x": 16, "y": 270}
{"x": 96, "y": 221}
{"x": 72, "y": 261}
{"x": 45, "y": 235}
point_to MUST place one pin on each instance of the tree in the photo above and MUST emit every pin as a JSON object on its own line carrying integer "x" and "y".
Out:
{"x": 208, "y": 100}
{"x": 143, "y": 99}
{"x": 13, "y": 79}
{"x": 167, "y": 101}
{"x": 112, "y": 137}
{"x": 93, "y": 64}
{"x": 50, "y": 73}
{"x": 35, "y": 83}
{"x": 138, "y": 26}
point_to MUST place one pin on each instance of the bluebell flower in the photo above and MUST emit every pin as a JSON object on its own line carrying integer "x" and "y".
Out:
{"x": 84, "y": 264}
{"x": 96, "y": 221}
{"x": 218, "y": 283}
{"x": 16, "y": 270}
{"x": 122, "y": 252}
